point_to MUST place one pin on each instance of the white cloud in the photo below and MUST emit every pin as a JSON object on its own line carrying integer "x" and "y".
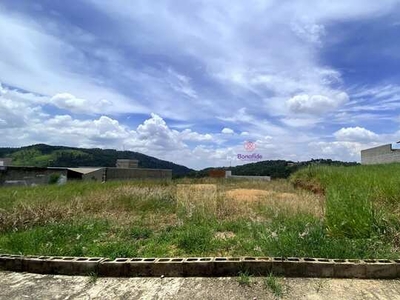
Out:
{"x": 308, "y": 30}
{"x": 355, "y": 134}
{"x": 77, "y": 105}
{"x": 233, "y": 63}
{"x": 191, "y": 62}
{"x": 70, "y": 102}
{"x": 181, "y": 84}
{"x": 241, "y": 116}
{"x": 189, "y": 135}
{"x": 349, "y": 142}
{"x": 154, "y": 134}
{"x": 316, "y": 104}
{"x": 380, "y": 100}
{"x": 37, "y": 60}
{"x": 227, "y": 130}
{"x": 154, "y": 137}
{"x": 234, "y": 56}
{"x": 300, "y": 122}
{"x": 337, "y": 150}
{"x": 17, "y": 109}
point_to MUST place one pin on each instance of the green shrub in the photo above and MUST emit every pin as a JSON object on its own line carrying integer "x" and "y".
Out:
{"x": 53, "y": 178}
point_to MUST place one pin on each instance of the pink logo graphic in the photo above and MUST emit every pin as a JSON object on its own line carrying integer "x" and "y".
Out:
{"x": 249, "y": 146}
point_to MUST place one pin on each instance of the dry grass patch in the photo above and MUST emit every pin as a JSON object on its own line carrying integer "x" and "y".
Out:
{"x": 194, "y": 199}
{"x": 243, "y": 195}
{"x": 230, "y": 204}
{"x": 24, "y": 216}
{"x": 304, "y": 203}
{"x": 292, "y": 203}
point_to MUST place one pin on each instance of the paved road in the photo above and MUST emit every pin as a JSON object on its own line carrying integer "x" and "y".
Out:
{"x": 34, "y": 286}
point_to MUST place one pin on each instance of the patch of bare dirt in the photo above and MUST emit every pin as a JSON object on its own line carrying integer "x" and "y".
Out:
{"x": 247, "y": 194}
{"x": 224, "y": 235}
{"x": 310, "y": 185}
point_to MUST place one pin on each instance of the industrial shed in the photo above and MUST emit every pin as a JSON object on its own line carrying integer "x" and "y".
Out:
{"x": 27, "y": 176}
{"x": 125, "y": 170}
{"x": 96, "y": 174}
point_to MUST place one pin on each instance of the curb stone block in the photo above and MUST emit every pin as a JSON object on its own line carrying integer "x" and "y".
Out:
{"x": 382, "y": 268}
{"x": 87, "y": 265}
{"x": 113, "y": 268}
{"x": 141, "y": 267}
{"x": 63, "y": 265}
{"x": 291, "y": 267}
{"x": 344, "y": 268}
{"x": 280, "y": 265}
{"x": 204, "y": 266}
{"x": 259, "y": 266}
{"x": 230, "y": 266}
{"x": 168, "y": 267}
{"x": 37, "y": 264}
{"x": 12, "y": 263}
{"x": 397, "y": 261}
{"x": 3, "y": 260}
{"x": 125, "y": 267}
{"x": 198, "y": 266}
{"x": 321, "y": 267}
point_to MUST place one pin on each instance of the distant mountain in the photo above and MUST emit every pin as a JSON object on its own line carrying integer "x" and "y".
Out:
{"x": 273, "y": 168}
{"x": 42, "y": 155}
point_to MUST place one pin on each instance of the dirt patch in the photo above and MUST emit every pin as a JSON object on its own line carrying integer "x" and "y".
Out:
{"x": 247, "y": 194}
{"x": 224, "y": 235}
{"x": 310, "y": 185}
{"x": 254, "y": 195}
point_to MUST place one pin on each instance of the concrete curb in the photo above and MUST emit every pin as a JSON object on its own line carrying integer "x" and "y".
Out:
{"x": 203, "y": 266}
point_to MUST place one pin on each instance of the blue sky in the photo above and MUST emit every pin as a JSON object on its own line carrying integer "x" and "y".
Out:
{"x": 192, "y": 81}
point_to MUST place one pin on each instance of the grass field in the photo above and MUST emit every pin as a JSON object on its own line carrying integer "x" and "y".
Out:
{"x": 351, "y": 213}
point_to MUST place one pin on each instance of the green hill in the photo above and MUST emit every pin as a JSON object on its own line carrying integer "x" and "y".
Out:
{"x": 42, "y": 155}
{"x": 274, "y": 168}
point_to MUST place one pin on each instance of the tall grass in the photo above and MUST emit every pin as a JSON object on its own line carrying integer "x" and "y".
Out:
{"x": 361, "y": 201}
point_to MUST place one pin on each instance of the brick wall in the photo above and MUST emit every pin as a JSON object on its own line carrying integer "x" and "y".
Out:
{"x": 131, "y": 174}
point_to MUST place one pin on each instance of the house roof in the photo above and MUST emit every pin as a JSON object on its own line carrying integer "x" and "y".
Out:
{"x": 84, "y": 170}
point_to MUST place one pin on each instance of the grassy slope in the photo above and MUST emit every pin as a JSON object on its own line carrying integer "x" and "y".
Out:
{"x": 42, "y": 155}
{"x": 362, "y": 202}
{"x": 142, "y": 219}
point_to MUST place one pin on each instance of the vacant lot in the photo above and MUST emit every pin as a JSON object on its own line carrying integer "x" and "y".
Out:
{"x": 346, "y": 216}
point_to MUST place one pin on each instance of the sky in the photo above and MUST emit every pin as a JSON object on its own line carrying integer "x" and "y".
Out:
{"x": 194, "y": 81}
